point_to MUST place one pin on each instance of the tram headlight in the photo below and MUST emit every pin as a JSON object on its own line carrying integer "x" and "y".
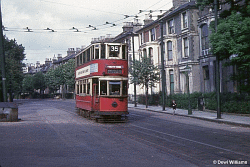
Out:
{"x": 114, "y": 104}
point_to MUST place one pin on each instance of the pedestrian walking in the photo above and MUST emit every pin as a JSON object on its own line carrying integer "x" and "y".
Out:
{"x": 174, "y": 104}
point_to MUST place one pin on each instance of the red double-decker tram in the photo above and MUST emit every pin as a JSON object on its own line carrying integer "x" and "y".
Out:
{"x": 101, "y": 76}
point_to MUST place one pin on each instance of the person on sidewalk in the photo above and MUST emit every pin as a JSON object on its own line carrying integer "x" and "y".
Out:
{"x": 174, "y": 106}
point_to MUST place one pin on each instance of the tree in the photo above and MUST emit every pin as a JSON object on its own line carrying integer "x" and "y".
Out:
{"x": 27, "y": 84}
{"x": 52, "y": 80}
{"x": 39, "y": 81}
{"x": 61, "y": 76}
{"x": 68, "y": 76}
{"x": 69, "y": 73}
{"x": 231, "y": 43}
{"x": 144, "y": 73}
{"x": 14, "y": 55}
{"x": 233, "y": 5}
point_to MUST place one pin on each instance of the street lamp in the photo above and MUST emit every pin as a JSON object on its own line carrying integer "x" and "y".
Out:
{"x": 187, "y": 70}
{"x": 163, "y": 80}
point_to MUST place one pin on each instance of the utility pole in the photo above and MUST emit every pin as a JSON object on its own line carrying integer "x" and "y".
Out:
{"x": 133, "y": 45}
{"x": 2, "y": 56}
{"x": 217, "y": 64}
{"x": 163, "y": 78}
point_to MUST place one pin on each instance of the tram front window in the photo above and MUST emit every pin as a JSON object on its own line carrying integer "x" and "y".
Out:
{"x": 114, "y": 87}
{"x": 103, "y": 85}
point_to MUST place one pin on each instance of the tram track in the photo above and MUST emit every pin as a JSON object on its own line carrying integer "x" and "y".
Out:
{"x": 184, "y": 139}
{"x": 163, "y": 135}
{"x": 155, "y": 145}
{"x": 142, "y": 129}
{"x": 178, "y": 146}
{"x": 171, "y": 135}
{"x": 190, "y": 146}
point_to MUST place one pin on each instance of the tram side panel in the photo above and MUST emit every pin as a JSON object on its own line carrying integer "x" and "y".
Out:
{"x": 83, "y": 102}
{"x": 117, "y": 106}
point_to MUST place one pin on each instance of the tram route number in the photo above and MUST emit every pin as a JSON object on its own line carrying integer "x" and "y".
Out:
{"x": 114, "y": 48}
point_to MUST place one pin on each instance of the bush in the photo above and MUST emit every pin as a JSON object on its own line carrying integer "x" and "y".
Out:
{"x": 141, "y": 99}
{"x": 230, "y": 102}
{"x": 69, "y": 95}
{"x": 153, "y": 99}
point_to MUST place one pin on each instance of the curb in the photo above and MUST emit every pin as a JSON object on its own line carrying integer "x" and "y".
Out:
{"x": 221, "y": 121}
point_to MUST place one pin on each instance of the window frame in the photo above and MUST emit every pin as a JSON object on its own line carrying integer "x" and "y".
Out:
{"x": 184, "y": 17}
{"x": 170, "y": 50}
{"x": 152, "y": 34}
{"x": 171, "y": 26}
{"x": 204, "y": 40}
{"x": 185, "y": 45}
{"x": 206, "y": 72}
{"x": 171, "y": 81}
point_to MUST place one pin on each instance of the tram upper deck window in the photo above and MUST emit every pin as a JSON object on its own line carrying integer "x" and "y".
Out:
{"x": 96, "y": 51}
{"x": 88, "y": 55}
{"x": 124, "y": 52}
{"x": 103, "y": 51}
{"x": 114, "y": 51}
{"x": 92, "y": 52}
{"x": 84, "y": 57}
{"x": 80, "y": 59}
{"x": 77, "y": 60}
{"x": 114, "y": 87}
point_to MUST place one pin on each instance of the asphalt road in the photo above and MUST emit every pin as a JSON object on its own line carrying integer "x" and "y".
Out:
{"x": 51, "y": 133}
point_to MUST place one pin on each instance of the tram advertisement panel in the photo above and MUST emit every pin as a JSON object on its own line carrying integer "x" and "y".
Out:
{"x": 87, "y": 70}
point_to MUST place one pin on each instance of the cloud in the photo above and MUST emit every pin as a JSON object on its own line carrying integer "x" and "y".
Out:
{"x": 61, "y": 16}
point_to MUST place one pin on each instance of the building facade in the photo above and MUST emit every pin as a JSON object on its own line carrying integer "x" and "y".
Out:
{"x": 131, "y": 38}
{"x": 208, "y": 61}
{"x": 181, "y": 46}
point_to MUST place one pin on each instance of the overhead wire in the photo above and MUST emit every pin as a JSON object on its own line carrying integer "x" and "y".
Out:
{"x": 84, "y": 30}
{"x": 154, "y": 4}
{"x": 80, "y": 7}
{"x": 96, "y": 27}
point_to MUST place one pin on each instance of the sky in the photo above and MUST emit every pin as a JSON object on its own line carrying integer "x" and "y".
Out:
{"x": 49, "y": 27}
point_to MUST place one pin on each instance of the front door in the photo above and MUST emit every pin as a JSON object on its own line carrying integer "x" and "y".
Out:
{"x": 95, "y": 97}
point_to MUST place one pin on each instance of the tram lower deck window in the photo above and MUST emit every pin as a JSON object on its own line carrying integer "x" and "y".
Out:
{"x": 88, "y": 88}
{"x": 103, "y": 85}
{"x": 81, "y": 87}
{"x": 114, "y": 87}
{"x": 77, "y": 89}
{"x": 124, "y": 87}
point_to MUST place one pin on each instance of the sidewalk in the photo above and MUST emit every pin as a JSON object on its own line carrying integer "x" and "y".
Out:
{"x": 232, "y": 119}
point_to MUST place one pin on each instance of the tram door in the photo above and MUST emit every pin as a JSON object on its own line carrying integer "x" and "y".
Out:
{"x": 95, "y": 95}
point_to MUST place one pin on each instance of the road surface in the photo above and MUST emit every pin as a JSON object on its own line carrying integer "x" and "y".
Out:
{"x": 51, "y": 133}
